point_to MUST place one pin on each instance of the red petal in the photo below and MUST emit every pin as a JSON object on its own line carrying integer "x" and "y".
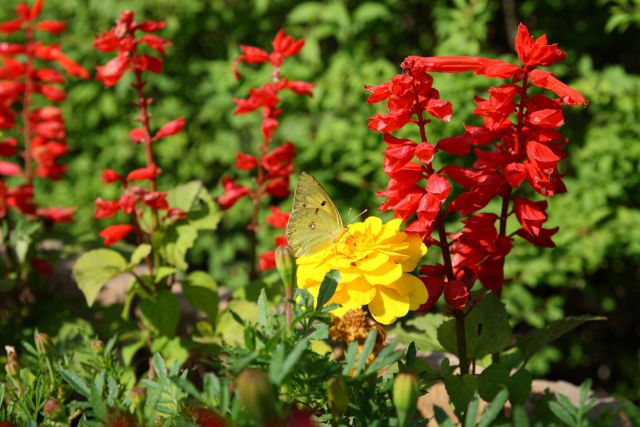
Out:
{"x": 278, "y": 218}
{"x": 171, "y": 128}
{"x": 245, "y": 162}
{"x": 57, "y": 214}
{"x": 137, "y": 135}
{"x": 9, "y": 169}
{"x": 148, "y": 172}
{"x": 12, "y": 26}
{"x": 8, "y": 147}
{"x": 547, "y": 80}
{"x": 115, "y": 233}
{"x": 51, "y": 26}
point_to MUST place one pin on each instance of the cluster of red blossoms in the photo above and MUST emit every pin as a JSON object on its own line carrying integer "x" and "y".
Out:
{"x": 122, "y": 38}
{"x": 517, "y": 142}
{"x": 28, "y": 68}
{"x": 272, "y": 168}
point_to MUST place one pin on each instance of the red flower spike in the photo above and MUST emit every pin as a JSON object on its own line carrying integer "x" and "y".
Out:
{"x": 536, "y": 52}
{"x": 115, "y": 233}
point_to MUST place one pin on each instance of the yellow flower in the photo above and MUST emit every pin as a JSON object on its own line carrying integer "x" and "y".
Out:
{"x": 375, "y": 261}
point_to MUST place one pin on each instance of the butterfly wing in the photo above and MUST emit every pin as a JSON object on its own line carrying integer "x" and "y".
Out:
{"x": 315, "y": 221}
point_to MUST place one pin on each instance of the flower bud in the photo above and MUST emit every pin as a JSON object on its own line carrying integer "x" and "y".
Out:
{"x": 97, "y": 346}
{"x": 338, "y": 397}
{"x": 12, "y": 368}
{"x": 286, "y": 266}
{"x": 43, "y": 343}
{"x": 52, "y": 408}
{"x": 257, "y": 395}
{"x": 137, "y": 396}
{"x": 405, "y": 396}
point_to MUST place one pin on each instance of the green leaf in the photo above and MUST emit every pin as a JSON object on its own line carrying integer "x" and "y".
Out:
{"x": 520, "y": 417}
{"x": 277, "y": 363}
{"x": 537, "y": 339}
{"x": 367, "y": 348}
{"x": 472, "y": 412}
{"x": 519, "y": 386}
{"x": 140, "y": 253}
{"x": 422, "y": 330}
{"x": 193, "y": 198}
{"x": 562, "y": 414}
{"x": 487, "y": 329}
{"x": 95, "y": 268}
{"x": 327, "y": 288}
{"x": 202, "y": 293}
{"x": 492, "y": 380}
{"x": 162, "y": 272}
{"x": 292, "y": 358}
{"x": 305, "y": 12}
{"x": 75, "y": 382}
{"x": 176, "y": 241}
{"x": 494, "y": 408}
{"x": 461, "y": 390}
{"x": 262, "y": 309}
{"x": 350, "y": 357}
{"x": 159, "y": 366}
{"x": 161, "y": 313}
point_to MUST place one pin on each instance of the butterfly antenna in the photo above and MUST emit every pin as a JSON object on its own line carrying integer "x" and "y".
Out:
{"x": 357, "y": 216}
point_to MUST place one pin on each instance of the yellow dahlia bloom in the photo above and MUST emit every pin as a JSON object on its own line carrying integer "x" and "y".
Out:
{"x": 375, "y": 261}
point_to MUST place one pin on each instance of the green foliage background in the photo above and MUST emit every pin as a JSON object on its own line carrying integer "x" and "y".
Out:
{"x": 594, "y": 269}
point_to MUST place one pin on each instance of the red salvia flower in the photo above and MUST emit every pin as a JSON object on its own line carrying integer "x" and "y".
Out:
{"x": 272, "y": 168}
{"x": 517, "y": 143}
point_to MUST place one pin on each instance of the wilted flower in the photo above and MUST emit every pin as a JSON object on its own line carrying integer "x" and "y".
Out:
{"x": 375, "y": 261}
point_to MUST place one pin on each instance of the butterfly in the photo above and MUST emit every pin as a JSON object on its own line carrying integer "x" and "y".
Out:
{"x": 315, "y": 222}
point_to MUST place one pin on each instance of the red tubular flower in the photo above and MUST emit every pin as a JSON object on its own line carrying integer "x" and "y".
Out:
{"x": 278, "y": 218}
{"x": 232, "y": 193}
{"x": 115, "y": 233}
{"x": 57, "y": 214}
{"x": 518, "y": 142}
{"x": 273, "y": 167}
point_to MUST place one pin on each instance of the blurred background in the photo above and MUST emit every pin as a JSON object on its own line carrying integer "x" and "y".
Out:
{"x": 595, "y": 268}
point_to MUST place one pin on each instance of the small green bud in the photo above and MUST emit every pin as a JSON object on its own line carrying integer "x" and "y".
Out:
{"x": 405, "y": 396}
{"x": 257, "y": 395}
{"x": 52, "y": 408}
{"x": 338, "y": 396}
{"x": 97, "y": 346}
{"x": 43, "y": 343}
{"x": 286, "y": 266}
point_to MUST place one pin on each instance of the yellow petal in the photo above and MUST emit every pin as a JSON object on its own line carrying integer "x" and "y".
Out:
{"x": 360, "y": 293}
{"x": 386, "y": 274}
{"x": 373, "y": 261}
{"x": 419, "y": 293}
{"x": 388, "y": 305}
{"x": 374, "y": 225}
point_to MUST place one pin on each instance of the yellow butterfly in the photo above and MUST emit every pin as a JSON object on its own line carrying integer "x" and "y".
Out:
{"x": 315, "y": 222}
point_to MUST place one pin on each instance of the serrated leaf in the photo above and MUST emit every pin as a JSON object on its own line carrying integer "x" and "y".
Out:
{"x": 487, "y": 329}
{"x": 161, "y": 313}
{"x": 461, "y": 390}
{"x": 95, "y": 268}
{"x": 533, "y": 341}
{"x": 492, "y": 380}
{"x": 201, "y": 291}
{"x": 76, "y": 383}
{"x": 327, "y": 288}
